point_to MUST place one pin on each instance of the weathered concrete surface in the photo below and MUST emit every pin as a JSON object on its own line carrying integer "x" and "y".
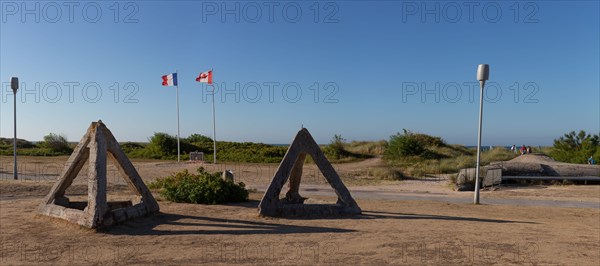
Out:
{"x": 489, "y": 176}
{"x": 493, "y": 177}
{"x": 533, "y": 165}
{"x": 293, "y": 194}
{"x": 290, "y": 168}
{"x": 95, "y": 147}
{"x": 542, "y": 165}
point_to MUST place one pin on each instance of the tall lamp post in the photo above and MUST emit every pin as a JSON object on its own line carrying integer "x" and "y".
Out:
{"x": 14, "y": 85}
{"x": 483, "y": 74}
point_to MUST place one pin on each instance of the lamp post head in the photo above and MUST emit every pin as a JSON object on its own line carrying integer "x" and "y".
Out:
{"x": 483, "y": 73}
{"x": 14, "y": 84}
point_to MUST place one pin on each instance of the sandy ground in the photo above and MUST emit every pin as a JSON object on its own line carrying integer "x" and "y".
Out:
{"x": 403, "y": 222}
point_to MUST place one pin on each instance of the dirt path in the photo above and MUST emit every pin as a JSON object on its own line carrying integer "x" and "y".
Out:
{"x": 43, "y": 171}
{"x": 410, "y": 222}
{"x": 389, "y": 232}
{"x": 380, "y": 193}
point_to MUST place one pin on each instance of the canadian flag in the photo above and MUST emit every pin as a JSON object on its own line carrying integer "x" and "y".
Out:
{"x": 205, "y": 77}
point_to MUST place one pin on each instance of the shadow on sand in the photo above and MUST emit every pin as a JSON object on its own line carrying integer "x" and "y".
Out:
{"x": 412, "y": 216}
{"x": 178, "y": 224}
{"x": 197, "y": 225}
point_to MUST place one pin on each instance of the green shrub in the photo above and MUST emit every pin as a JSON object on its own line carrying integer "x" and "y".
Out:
{"x": 56, "y": 143}
{"x": 335, "y": 150}
{"x": 198, "y": 138}
{"x": 31, "y": 152}
{"x": 429, "y": 141}
{"x": 575, "y": 147}
{"x": 132, "y": 147}
{"x": 249, "y": 152}
{"x": 203, "y": 188}
{"x": 162, "y": 144}
{"x": 403, "y": 145}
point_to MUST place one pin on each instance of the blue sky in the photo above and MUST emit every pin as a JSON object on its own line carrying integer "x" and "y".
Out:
{"x": 362, "y": 69}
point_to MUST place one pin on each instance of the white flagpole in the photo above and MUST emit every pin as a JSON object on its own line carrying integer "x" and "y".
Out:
{"x": 178, "y": 147}
{"x": 214, "y": 128}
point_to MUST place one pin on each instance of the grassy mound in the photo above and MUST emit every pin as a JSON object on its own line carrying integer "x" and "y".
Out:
{"x": 420, "y": 155}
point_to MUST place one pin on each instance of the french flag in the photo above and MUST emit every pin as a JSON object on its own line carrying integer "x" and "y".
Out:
{"x": 169, "y": 80}
{"x": 205, "y": 77}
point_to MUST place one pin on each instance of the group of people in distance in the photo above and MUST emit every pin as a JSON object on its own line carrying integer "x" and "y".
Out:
{"x": 526, "y": 150}
{"x": 523, "y": 149}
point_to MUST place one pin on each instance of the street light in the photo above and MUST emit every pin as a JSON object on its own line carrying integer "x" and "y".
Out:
{"x": 483, "y": 74}
{"x": 14, "y": 85}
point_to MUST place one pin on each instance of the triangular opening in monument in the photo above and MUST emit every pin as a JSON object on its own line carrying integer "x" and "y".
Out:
{"x": 118, "y": 193}
{"x": 97, "y": 150}
{"x": 310, "y": 190}
{"x": 78, "y": 191}
{"x": 290, "y": 170}
{"x": 118, "y": 189}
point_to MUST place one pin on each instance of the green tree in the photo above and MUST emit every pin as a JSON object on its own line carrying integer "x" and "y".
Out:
{"x": 56, "y": 143}
{"x": 164, "y": 146}
{"x": 575, "y": 147}
{"x": 198, "y": 138}
{"x": 161, "y": 145}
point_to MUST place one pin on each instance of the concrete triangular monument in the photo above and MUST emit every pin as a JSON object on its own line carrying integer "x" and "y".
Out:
{"x": 291, "y": 168}
{"x": 95, "y": 147}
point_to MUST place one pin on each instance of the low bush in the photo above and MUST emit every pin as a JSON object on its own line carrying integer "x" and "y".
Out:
{"x": 409, "y": 144}
{"x": 56, "y": 143}
{"x": 335, "y": 150}
{"x": 199, "y": 138}
{"x": 403, "y": 145}
{"x": 203, "y": 188}
{"x": 429, "y": 141}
